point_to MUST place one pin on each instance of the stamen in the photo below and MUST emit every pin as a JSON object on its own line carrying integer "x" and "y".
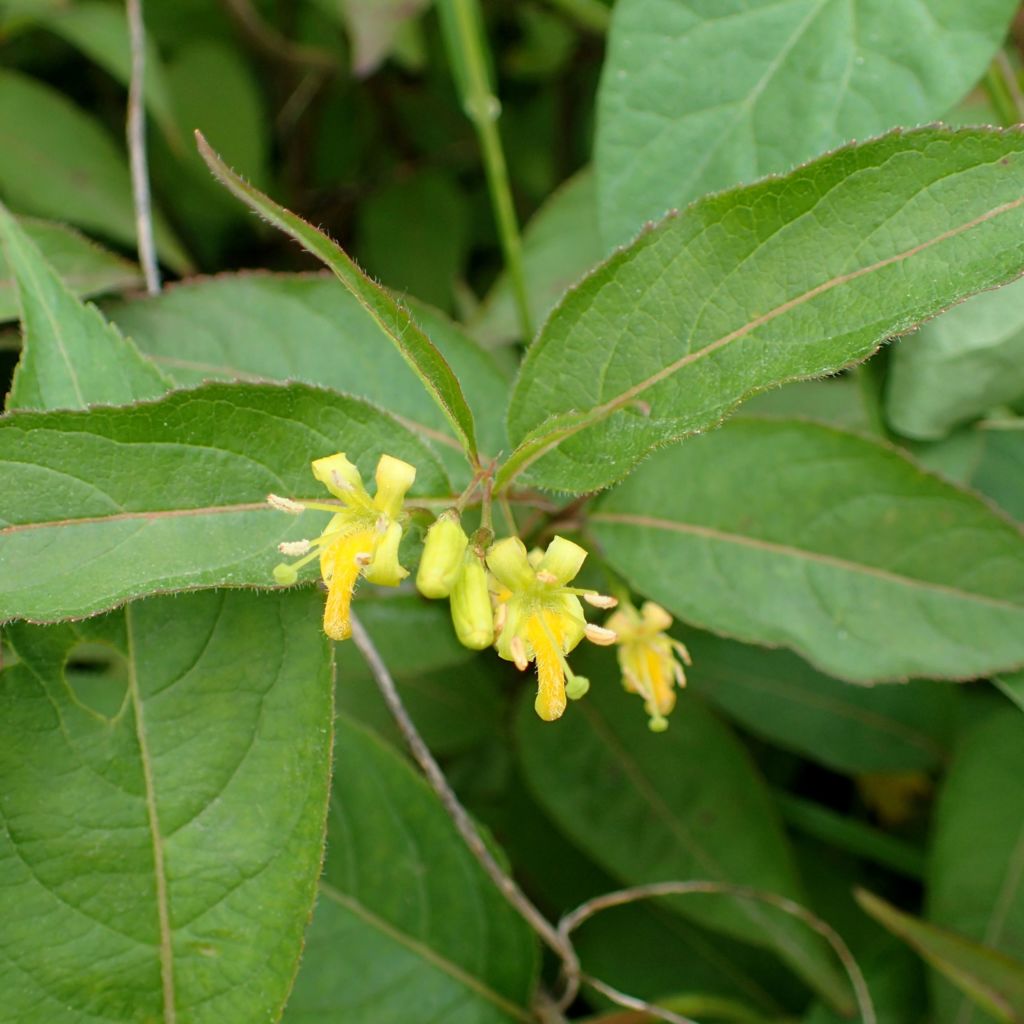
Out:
{"x": 285, "y": 504}
{"x": 340, "y": 482}
{"x": 600, "y": 600}
{"x": 294, "y": 548}
{"x": 285, "y": 574}
{"x": 499, "y": 618}
{"x": 363, "y": 558}
{"x": 599, "y": 635}
{"x": 518, "y": 650}
{"x": 576, "y": 687}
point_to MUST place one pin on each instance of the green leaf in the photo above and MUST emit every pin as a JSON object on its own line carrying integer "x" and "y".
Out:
{"x": 394, "y": 320}
{"x": 135, "y": 848}
{"x": 893, "y": 976}
{"x": 793, "y": 277}
{"x": 960, "y": 366}
{"x": 988, "y": 978}
{"x": 698, "y": 97}
{"x": 838, "y": 401}
{"x": 665, "y": 954}
{"x": 413, "y": 235}
{"x": 851, "y": 729}
{"x": 686, "y": 804}
{"x": 71, "y": 357}
{"x": 217, "y": 90}
{"x": 840, "y": 547}
{"x": 408, "y": 926}
{"x": 307, "y": 327}
{"x": 452, "y": 693}
{"x": 975, "y": 884}
{"x": 455, "y": 708}
{"x": 100, "y": 31}
{"x": 85, "y": 268}
{"x": 113, "y": 503}
{"x": 56, "y": 162}
{"x": 1000, "y": 473}
{"x": 560, "y": 244}
{"x": 1012, "y": 684}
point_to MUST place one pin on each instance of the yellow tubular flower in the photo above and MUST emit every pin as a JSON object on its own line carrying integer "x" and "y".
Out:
{"x": 539, "y": 618}
{"x": 361, "y": 538}
{"x": 651, "y": 661}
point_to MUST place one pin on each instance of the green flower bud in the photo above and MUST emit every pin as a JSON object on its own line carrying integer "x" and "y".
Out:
{"x": 471, "y": 604}
{"x": 442, "y": 557}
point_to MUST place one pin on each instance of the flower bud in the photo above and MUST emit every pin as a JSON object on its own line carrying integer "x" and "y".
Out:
{"x": 442, "y": 559}
{"x": 471, "y": 604}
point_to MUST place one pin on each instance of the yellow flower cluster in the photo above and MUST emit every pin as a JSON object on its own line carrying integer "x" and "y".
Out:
{"x": 520, "y": 601}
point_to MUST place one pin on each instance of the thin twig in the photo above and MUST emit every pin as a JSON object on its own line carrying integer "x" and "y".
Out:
{"x": 268, "y": 41}
{"x": 633, "y": 1003}
{"x": 136, "y": 132}
{"x": 571, "y": 921}
{"x": 508, "y": 888}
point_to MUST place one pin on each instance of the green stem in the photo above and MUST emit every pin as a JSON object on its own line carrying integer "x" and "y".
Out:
{"x": 483, "y": 108}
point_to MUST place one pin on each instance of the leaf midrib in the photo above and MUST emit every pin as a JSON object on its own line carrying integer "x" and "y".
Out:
{"x": 166, "y": 948}
{"x": 817, "y": 557}
{"x": 423, "y": 951}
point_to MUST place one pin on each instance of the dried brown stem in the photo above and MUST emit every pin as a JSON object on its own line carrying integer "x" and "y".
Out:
{"x": 136, "y": 134}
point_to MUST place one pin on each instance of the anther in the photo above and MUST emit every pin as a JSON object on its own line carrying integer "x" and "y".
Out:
{"x": 518, "y": 650}
{"x": 285, "y": 504}
{"x": 499, "y": 618}
{"x": 294, "y": 548}
{"x": 599, "y": 635}
{"x": 600, "y": 600}
{"x": 364, "y": 558}
{"x": 340, "y": 482}
{"x": 547, "y": 577}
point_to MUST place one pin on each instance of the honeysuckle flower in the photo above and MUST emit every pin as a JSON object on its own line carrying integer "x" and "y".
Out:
{"x": 651, "y": 661}
{"x": 539, "y": 618}
{"x": 441, "y": 561}
{"x": 360, "y": 539}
